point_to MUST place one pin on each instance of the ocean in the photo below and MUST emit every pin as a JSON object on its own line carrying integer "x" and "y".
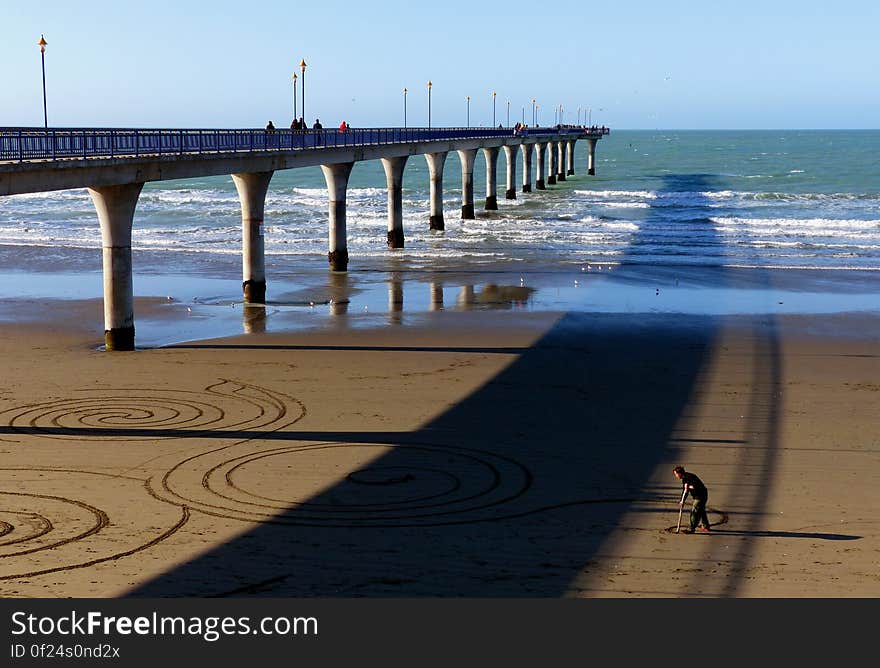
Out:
{"x": 706, "y": 222}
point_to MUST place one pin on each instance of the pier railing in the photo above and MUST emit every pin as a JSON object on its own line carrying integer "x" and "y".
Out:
{"x": 21, "y": 144}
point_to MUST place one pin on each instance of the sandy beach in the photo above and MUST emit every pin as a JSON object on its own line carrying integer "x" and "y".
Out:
{"x": 481, "y": 453}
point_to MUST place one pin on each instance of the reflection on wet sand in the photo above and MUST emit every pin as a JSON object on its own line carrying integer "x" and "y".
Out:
{"x": 395, "y": 298}
{"x": 492, "y": 296}
{"x": 253, "y": 318}
{"x": 340, "y": 292}
{"x": 335, "y": 298}
{"x": 436, "y": 296}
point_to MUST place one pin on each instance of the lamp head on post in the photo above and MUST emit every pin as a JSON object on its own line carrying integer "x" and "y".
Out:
{"x": 42, "y": 44}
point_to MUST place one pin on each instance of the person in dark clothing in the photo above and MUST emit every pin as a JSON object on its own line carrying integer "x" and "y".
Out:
{"x": 695, "y": 487}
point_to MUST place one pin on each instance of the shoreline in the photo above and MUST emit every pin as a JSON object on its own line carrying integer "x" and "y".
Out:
{"x": 174, "y": 307}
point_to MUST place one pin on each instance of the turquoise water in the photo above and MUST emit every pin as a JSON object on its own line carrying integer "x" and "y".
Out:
{"x": 666, "y": 208}
{"x": 769, "y": 199}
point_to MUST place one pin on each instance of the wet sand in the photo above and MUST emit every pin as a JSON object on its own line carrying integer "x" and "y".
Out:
{"x": 465, "y": 453}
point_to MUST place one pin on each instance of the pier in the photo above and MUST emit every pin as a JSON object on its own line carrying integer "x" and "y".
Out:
{"x": 114, "y": 164}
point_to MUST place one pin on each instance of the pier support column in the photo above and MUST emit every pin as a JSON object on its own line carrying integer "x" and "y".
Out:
{"x": 336, "y": 177}
{"x": 436, "y": 161}
{"x": 540, "y": 151}
{"x": 491, "y": 154}
{"x": 571, "y": 157}
{"x": 560, "y": 165}
{"x": 252, "y": 189}
{"x": 510, "y": 153}
{"x": 527, "y": 150}
{"x": 115, "y": 206}
{"x": 394, "y": 179}
{"x": 591, "y": 163}
{"x": 551, "y": 163}
{"x": 467, "y": 157}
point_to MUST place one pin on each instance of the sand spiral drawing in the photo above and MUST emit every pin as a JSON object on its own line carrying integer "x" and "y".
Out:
{"x": 54, "y": 519}
{"x": 143, "y": 414}
{"x": 345, "y": 484}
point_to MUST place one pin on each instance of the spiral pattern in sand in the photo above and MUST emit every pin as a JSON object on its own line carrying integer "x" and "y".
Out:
{"x": 347, "y": 484}
{"x": 150, "y": 414}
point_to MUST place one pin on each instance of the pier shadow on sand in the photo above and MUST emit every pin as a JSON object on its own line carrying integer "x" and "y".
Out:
{"x": 513, "y": 491}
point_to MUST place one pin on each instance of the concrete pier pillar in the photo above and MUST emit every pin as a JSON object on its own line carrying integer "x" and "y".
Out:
{"x": 560, "y": 164}
{"x": 491, "y": 154}
{"x": 591, "y": 163}
{"x": 571, "y": 156}
{"x": 510, "y": 153}
{"x": 551, "y": 163}
{"x": 115, "y": 206}
{"x": 540, "y": 170}
{"x": 436, "y": 161}
{"x": 336, "y": 177}
{"x": 394, "y": 179}
{"x": 527, "y": 150}
{"x": 467, "y": 157}
{"x": 252, "y": 189}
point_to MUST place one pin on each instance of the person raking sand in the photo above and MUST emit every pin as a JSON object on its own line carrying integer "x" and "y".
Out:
{"x": 694, "y": 486}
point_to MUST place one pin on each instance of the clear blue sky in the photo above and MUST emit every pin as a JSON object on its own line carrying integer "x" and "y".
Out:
{"x": 673, "y": 64}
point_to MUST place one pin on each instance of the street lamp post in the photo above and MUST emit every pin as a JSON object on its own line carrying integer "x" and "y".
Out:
{"x": 468, "y": 98}
{"x": 404, "y": 108}
{"x": 295, "y": 115}
{"x": 302, "y": 67}
{"x": 493, "y": 108}
{"x": 508, "y": 113}
{"x": 534, "y": 114}
{"x": 43, "y": 44}
{"x": 429, "y": 104}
